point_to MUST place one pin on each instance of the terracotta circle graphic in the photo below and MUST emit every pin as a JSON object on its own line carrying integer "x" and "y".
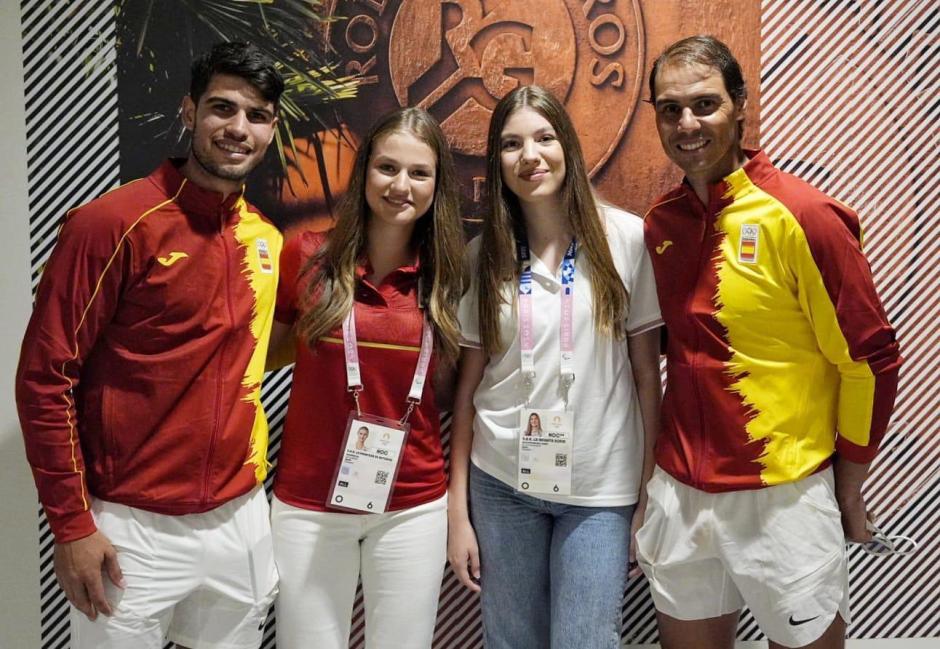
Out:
{"x": 471, "y": 53}
{"x": 589, "y": 54}
{"x": 457, "y": 58}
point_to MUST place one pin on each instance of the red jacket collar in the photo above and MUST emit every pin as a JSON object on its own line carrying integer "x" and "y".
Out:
{"x": 757, "y": 168}
{"x": 190, "y": 196}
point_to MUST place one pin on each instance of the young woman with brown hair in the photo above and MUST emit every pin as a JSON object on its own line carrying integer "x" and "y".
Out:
{"x": 563, "y": 320}
{"x": 374, "y": 306}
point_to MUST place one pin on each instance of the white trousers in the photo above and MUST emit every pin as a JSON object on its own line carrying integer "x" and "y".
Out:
{"x": 321, "y": 557}
{"x": 204, "y": 581}
{"x": 780, "y": 550}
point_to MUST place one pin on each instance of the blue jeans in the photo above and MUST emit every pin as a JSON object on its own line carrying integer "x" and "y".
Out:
{"x": 552, "y": 575}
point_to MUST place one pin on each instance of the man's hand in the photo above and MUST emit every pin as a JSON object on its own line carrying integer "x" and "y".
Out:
{"x": 464, "y": 553}
{"x": 854, "y": 516}
{"x": 78, "y": 567}
{"x": 849, "y": 478}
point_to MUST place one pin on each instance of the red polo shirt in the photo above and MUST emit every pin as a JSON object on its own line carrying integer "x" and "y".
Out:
{"x": 388, "y": 328}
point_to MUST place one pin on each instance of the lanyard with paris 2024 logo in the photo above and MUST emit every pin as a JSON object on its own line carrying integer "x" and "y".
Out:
{"x": 372, "y": 447}
{"x": 546, "y": 437}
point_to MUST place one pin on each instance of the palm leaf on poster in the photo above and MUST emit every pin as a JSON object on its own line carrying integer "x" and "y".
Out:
{"x": 282, "y": 29}
{"x": 293, "y": 149}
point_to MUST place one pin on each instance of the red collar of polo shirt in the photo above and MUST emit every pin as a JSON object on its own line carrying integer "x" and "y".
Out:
{"x": 364, "y": 268}
{"x": 399, "y": 281}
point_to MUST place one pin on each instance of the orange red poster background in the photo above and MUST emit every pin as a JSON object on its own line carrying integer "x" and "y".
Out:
{"x": 457, "y": 58}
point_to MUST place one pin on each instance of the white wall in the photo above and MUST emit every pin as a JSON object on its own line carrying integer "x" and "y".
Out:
{"x": 19, "y": 555}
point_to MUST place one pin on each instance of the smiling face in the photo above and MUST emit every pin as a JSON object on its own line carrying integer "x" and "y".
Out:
{"x": 698, "y": 122}
{"x": 400, "y": 179}
{"x": 532, "y": 159}
{"x": 231, "y": 126}
{"x": 534, "y": 422}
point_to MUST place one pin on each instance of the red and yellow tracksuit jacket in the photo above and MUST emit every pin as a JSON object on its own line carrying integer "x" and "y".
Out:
{"x": 779, "y": 352}
{"x": 140, "y": 373}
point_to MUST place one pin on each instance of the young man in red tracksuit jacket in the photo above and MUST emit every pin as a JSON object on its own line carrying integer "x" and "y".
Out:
{"x": 138, "y": 387}
{"x": 782, "y": 372}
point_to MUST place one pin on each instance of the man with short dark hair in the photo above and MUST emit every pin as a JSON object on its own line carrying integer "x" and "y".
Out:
{"x": 138, "y": 387}
{"x": 782, "y": 373}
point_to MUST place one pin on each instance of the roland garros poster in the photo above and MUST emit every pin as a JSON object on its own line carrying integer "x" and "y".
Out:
{"x": 841, "y": 93}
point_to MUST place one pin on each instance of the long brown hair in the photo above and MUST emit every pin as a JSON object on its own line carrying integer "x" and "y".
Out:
{"x": 504, "y": 227}
{"x": 438, "y": 236}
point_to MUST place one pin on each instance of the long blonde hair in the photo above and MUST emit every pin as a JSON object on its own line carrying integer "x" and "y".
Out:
{"x": 504, "y": 227}
{"x": 438, "y": 237}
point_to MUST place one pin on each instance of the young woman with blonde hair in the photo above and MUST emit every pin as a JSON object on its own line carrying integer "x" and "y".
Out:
{"x": 374, "y": 308}
{"x": 564, "y": 320}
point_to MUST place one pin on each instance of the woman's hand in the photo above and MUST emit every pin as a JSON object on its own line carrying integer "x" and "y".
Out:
{"x": 463, "y": 553}
{"x": 639, "y": 513}
{"x": 644, "y": 356}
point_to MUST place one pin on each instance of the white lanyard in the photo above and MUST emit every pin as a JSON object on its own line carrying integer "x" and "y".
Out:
{"x": 526, "y": 337}
{"x": 354, "y": 375}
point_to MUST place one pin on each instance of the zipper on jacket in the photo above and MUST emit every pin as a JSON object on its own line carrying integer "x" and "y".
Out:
{"x": 221, "y": 364}
{"x": 700, "y": 436}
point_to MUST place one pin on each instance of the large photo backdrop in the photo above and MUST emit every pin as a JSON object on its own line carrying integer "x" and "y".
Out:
{"x": 842, "y": 93}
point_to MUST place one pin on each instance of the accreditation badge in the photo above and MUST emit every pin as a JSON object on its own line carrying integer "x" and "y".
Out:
{"x": 546, "y": 440}
{"x": 368, "y": 464}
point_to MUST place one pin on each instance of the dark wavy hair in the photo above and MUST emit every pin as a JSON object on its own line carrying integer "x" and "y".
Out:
{"x": 708, "y": 51}
{"x": 240, "y": 59}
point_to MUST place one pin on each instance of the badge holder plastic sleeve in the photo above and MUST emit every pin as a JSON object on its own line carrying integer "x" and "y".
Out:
{"x": 378, "y": 421}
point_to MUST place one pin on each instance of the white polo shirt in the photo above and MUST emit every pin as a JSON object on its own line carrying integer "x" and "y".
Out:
{"x": 608, "y": 439}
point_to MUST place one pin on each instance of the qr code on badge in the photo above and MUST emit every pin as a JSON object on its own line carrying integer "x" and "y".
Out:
{"x": 561, "y": 459}
{"x": 381, "y": 477}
